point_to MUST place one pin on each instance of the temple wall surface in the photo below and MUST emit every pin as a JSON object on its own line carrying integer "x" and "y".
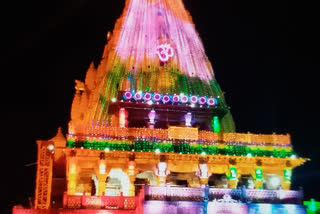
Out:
{"x": 174, "y": 207}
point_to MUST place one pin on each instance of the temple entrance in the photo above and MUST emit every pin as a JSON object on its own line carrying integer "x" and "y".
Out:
{"x": 117, "y": 181}
{"x": 183, "y": 179}
{"x": 218, "y": 181}
{"x": 146, "y": 177}
{"x": 246, "y": 181}
{"x": 272, "y": 182}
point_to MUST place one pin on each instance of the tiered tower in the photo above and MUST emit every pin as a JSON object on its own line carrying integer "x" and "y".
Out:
{"x": 152, "y": 113}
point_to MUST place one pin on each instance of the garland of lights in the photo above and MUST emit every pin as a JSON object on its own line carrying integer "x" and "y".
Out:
{"x": 169, "y": 98}
{"x": 183, "y": 148}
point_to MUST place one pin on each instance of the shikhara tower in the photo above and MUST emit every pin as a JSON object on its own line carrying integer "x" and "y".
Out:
{"x": 152, "y": 113}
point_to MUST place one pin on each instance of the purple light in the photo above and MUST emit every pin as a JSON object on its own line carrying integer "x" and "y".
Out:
{"x": 175, "y": 98}
{"x": 188, "y": 118}
{"x": 184, "y": 99}
{"x": 202, "y": 100}
{"x": 127, "y": 95}
{"x": 147, "y": 96}
{"x": 193, "y": 99}
{"x": 152, "y": 116}
{"x": 165, "y": 99}
{"x": 211, "y": 101}
{"x": 137, "y": 96}
{"x": 156, "y": 97}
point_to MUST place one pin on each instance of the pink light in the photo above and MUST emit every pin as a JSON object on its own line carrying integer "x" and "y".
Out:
{"x": 148, "y": 25}
{"x": 202, "y": 100}
{"x": 193, "y": 99}
{"x": 164, "y": 52}
{"x": 165, "y": 99}
{"x": 211, "y": 101}
{"x": 184, "y": 99}
{"x": 147, "y": 96}
{"x": 152, "y": 116}
{"x": 175, "y": 98}
{"x": 127, "y": 95}
{"x": 137, "y": 96}
{"x": 156, "y": 97}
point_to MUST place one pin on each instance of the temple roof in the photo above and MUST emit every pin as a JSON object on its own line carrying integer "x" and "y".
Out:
{"x": 155, "y": 48}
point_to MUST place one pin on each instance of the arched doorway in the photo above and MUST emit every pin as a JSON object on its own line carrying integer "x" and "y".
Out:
{"x": 218, "y": 181}
{"x": 117, "y": 181}
{"x": 146, "y": 177}
{"x": 246, "y": 181}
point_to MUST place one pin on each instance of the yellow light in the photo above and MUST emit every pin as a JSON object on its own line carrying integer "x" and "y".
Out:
{"x": 106, "y": 149}
{"x": 157, "y": 151}
{"x": 113, "y": 99}
{"x": 50, "y": 147}
{"x": 102, "y": 168}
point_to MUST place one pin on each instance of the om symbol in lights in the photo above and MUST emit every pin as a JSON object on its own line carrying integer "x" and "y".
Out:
{"x": 164, "y": 52}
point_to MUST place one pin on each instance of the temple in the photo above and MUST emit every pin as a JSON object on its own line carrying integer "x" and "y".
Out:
{"x": 151, "y": 132}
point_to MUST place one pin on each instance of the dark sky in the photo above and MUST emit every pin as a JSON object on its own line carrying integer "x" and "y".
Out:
{"x": 264, "y": 53}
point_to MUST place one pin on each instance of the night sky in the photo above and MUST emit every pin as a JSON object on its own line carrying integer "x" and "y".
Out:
{"x": 264, "y": 53}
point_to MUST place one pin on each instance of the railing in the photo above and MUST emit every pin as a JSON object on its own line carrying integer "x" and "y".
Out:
{"x": 103, "y": 202}
{"x": 99, "y": 202}
{"x": 210, "y": 194}
{"x": 258, "y": 195}
{"x": 245, "y": 138}
{"x": 174, "y": 193}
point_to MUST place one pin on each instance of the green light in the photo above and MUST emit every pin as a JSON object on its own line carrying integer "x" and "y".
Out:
{"x": 233, "y": 173}
{"x": 215, "y": 123}
{"x": 259, "y": 173}
{"x": 287, "y": 173}
{"x": 313, "y": 206}
{"x": 148, "y": 145}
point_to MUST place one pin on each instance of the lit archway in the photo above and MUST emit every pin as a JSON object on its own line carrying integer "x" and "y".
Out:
{"x": 117, "y": 181}
{"x": 148, "y": 176}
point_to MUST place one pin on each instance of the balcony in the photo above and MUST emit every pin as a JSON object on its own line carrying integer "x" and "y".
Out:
{"x": 169, "y": 193}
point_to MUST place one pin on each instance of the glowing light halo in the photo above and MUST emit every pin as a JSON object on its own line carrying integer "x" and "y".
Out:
{"x": 164, "y": 52}
{"x": 137, "y": 96}
{"x": 202, "y": 100}
{"x": 175, "y": 98}
{"x": 156, "y": 97}
{"x": 166, "y": 99}
{"x": 211, "y": 101}
{"x": 127, "y": 95}
{"x": 184, "y": 98}
{"x": 147, "y": 96}
{"x": 193, "y": 99}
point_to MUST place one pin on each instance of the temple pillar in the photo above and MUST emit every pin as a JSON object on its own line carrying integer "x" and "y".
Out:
{"x": 258, "y": 177}
{"x": 101, "y": 183}
{"x": 161, "y": 173}
{"x": 72, "y": 176}
{"x": 286, "y": 180}
{"x": 132, "y": 177}
{"x": 123, "y": 118}
{"x": 101, "y": 175}
{"x": 232, "y": 177}
{"x": 204, "y": 175}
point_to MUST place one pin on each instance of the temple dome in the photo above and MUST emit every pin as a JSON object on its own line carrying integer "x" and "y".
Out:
{"x": 154, "y": 48}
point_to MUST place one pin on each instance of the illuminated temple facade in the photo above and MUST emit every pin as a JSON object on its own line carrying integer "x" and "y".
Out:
{"x": 151, "y": 132}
